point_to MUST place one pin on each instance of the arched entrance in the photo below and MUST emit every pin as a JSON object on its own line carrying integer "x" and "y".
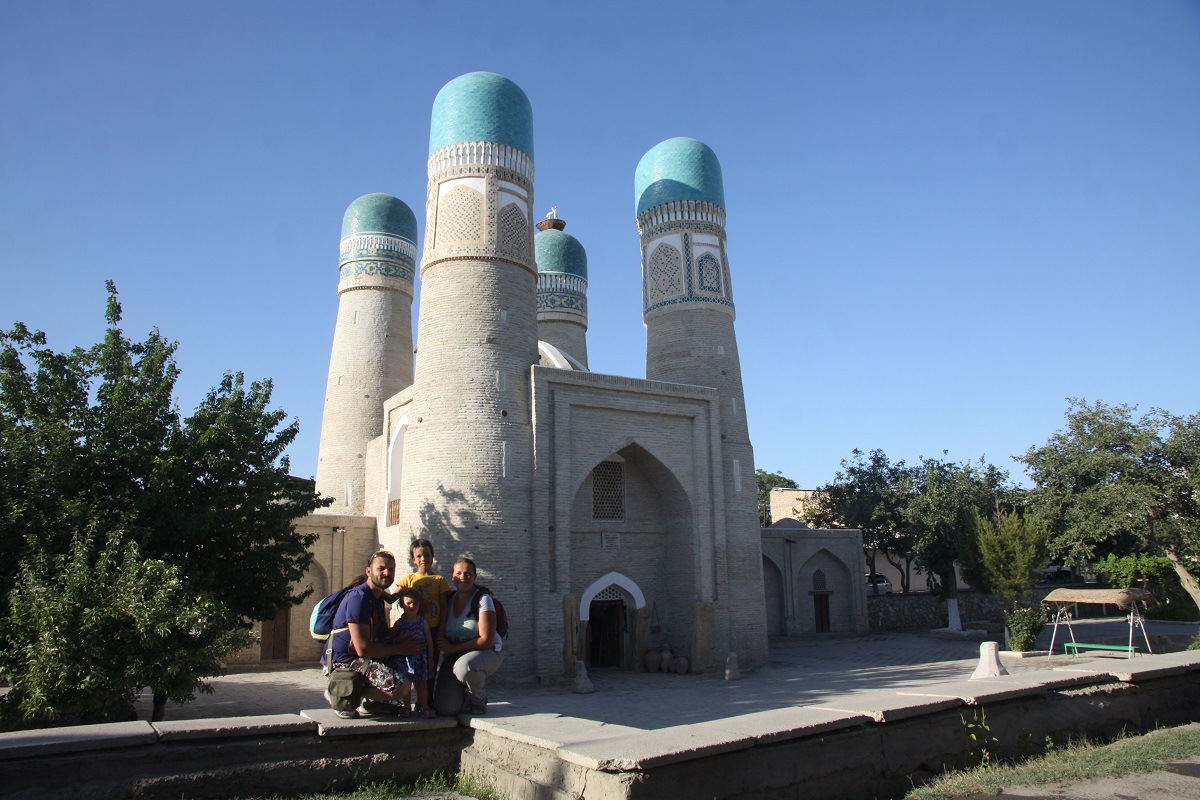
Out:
{"x": 606, "y": 612}
{"x": 773, "y": 589}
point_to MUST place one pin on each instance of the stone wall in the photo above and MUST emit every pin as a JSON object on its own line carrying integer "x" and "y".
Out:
{"x": 903, "y": 612}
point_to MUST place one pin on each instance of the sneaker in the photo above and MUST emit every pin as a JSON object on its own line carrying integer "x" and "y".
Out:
{"x": 351, "y": 714}
{"x": 378, "y": 708}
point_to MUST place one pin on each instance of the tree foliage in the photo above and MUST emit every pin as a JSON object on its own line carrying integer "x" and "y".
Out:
{"x": 766, "y": 481}
{"x": 1013, "y": 552}
{"x": 94, "y": 450}
{"x": 869, "y": 493}
{"x": 1112, "y": 483}
{"x": 941, "y": 515}
{"x": 92, "y": 626}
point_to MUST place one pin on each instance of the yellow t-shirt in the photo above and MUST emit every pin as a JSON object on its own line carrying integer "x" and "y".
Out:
{"x": 431, "y": 588}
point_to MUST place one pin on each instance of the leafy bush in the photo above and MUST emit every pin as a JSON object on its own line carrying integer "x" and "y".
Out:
{"x": 90, "y": 628}
{"x": 1180, "y": 612}
{"x": 1024, "y": 625}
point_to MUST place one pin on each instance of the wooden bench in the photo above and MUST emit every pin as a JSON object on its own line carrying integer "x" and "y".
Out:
{"x": 1074, "y": 647}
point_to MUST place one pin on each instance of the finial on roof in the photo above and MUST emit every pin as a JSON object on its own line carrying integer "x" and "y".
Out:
{"x": 552, "y": 221}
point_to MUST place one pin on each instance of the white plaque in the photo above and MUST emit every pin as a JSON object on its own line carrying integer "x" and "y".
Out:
{"x": 610, "y": 540}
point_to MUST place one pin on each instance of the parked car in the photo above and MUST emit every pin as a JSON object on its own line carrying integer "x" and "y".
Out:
{"x": 881, "y": 581}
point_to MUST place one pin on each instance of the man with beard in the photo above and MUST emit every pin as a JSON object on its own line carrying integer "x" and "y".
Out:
{"x": 359, "y": 642}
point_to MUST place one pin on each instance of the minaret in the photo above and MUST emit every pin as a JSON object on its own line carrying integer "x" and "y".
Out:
{"x": 467, "y": 480}
{"x": 687, "y": 302}
{"x": 372, "y": 342}
{"x": 561, "y": 290}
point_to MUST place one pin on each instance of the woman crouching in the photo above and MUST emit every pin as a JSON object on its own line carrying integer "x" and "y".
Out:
{"x": 469, "y": 645}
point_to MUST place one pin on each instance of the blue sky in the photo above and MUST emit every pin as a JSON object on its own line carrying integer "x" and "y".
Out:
{"x": 944, "y": 218}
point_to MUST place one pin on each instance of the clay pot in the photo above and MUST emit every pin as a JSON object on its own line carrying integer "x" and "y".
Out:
{"x": 679, "y": 665}
{"x": 652, "y": 660}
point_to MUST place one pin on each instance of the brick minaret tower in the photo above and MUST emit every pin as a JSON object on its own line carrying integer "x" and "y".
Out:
{"x": 468, "y": 464}
{"x": 688, "y": 311}
{"x": 372, "y": 342}
{"x": 561, "y": 290}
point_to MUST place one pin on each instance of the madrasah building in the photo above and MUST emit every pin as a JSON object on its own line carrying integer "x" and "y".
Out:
{"x": 609, "y": 514}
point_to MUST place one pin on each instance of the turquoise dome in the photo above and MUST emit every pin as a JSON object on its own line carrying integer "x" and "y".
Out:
{"x": 555, "y": 251}
{"x": 481, "y": 107}
{"x": 380, "y": 213}
{"x": 678, "y": 169}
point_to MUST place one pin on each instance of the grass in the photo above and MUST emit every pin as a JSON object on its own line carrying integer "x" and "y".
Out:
{"x": 1073, "y": 763}
{"x": 438, "y": 785}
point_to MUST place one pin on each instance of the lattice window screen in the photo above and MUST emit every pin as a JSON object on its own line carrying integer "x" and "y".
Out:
{"x": 610, "y": 593}
{"x": 608, "y": 490}
{"x": 819, "y": 582}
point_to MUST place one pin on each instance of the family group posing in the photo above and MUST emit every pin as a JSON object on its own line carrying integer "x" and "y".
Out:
{"x": 457, "y": 625}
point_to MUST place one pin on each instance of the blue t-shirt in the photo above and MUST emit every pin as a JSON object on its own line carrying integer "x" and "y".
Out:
{"x": 358, "y": 606}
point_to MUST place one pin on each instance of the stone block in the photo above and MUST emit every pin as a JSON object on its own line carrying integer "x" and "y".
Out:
{"x": 75, "y": 738}
{"x": 229, "y": 727}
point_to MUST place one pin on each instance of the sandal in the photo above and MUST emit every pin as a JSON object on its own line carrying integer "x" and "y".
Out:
{"x": 403, "y": 710}
{"x": 427, "y": 712}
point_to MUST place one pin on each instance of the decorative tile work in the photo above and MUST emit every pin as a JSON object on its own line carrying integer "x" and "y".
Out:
{"x": 387, "y": 269}
{"x": 460, "y": 216}
{"x": 377, "y": 244}
{"x": 514, "y": 228}
{"x": 488, "y": 244}
{"x": 709, "y": 273}
{"x": 477, "y": 154}
{"x": 561, "y": 296}
{"x": 665, "y": 267}
{"x": 692, "y": 215}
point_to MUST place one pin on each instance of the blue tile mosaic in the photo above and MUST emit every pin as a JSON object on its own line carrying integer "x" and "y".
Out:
{"x": 481, "y": 107}
{"x": 678, "y": 169}
{"x": 380, "y": 212}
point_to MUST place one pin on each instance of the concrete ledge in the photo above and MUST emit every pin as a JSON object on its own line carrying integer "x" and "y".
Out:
{"x": 642, "y": 750}
{"x": 267, "y": 724}
{"x": 330, "y": 724}
{"x": 73, "y": 739}
{"x": 884, "y": 705}
{"x": 545, "y": 731}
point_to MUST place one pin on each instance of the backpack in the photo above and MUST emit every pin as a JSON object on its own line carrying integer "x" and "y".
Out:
{"x": 501, "y": 617}
{"x": 320, "y": 624}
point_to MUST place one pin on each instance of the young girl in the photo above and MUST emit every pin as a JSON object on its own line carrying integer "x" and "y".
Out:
{"x": 415, "y": 668}
{"x": 431, "y": 588}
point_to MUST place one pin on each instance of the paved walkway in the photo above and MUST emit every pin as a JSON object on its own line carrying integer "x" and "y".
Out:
{"x": 800, "y": 672}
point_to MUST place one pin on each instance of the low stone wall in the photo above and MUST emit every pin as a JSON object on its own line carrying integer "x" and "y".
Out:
{"x": 873, "y": 744}
{"x": 923, "y": 611}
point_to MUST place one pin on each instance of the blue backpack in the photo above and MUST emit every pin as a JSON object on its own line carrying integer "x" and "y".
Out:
{"x": 320, "y": 624}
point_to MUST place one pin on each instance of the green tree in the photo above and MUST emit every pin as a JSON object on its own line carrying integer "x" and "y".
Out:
{"x": 92, "y": 441}
{"x": 767, "y": 481}
{"x": 92, "y": 626}
{"x": 869, "y": 493}
{"x": 940, "y": 513}
{"x": 1013, "y": 551}
{"x": 1110, "y": 483}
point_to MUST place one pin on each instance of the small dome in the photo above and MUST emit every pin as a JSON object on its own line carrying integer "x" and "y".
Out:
{"x": 481, "y": 107}
{"x": 678, "y": 169}
{"x": 380, "y": 213}
{"x": 556, "y": 251}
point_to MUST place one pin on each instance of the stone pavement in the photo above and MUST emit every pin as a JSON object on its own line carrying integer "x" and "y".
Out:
{"x": 800, "y": 672}
{"x": 626, "y": 705}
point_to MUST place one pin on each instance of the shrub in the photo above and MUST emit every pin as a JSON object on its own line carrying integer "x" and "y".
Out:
{"x": 1024, "y": 625}
{"x": 90, "y": 628}
{"x": 1179, "y": 612}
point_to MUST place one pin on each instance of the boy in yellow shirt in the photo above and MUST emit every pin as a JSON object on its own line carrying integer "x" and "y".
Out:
{"x": 433, "y": 588}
